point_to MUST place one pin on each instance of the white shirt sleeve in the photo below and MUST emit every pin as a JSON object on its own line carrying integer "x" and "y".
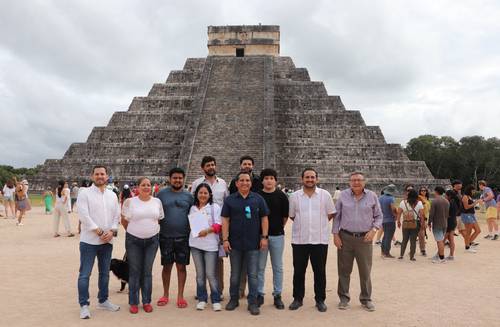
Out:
{"x": 83, "y": 211}
{"x": 161, "y": 213}
{"x": 330, "y": 207}
{"x": 117, "y": 213}
{"x": 126, "y": 209}
{"x": 217, "y": 211}
{"x": 291, "y": 211}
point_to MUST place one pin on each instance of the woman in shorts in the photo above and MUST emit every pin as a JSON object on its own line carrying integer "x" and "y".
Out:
{"x": 9, "y": 191}
{"x": 22, "y": 203}
{"x": 469, "y": 218}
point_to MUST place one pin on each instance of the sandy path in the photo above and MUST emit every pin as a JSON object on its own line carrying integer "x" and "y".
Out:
{"x": 38, "y": 288}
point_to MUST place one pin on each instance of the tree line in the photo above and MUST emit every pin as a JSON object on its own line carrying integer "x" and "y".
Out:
{"x": 470, "y": 159}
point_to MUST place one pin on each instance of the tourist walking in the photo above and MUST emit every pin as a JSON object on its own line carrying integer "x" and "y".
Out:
{"x": 99, "y": 213}
{"x": 423, "y": 196}
{"x": 488, "y": 199}
{"x": 48, "y": 198}
{"x": 219, "y": 193}
{"x": 356, "y": 222}
{"x": 389, "y": 213}
{"x": 204, "y": 241}
{"x": 174, "y": 235}
{"x": 21, "y": 201}
{"x": 311, "y": 209}
{"x": 140, "y": 217}
{"x": 412, "y": 211}
{"x": 469, "y": 219}
{"x": 61, "y": 209}
{"x": 277, "y": 202}
{"x": 9, "y": 190}
{"x": 438, "y": 221}
{"x": 245, "y": 228}
{"x": 451, "y": 196}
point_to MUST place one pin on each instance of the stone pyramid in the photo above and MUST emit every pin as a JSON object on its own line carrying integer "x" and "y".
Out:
{"x": 243, "y": 98}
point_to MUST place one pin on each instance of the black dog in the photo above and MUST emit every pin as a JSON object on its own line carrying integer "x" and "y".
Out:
{"x": 120, "y": 270}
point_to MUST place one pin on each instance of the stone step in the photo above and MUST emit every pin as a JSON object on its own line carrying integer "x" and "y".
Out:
{"x": 149, "y": 119}
{"x": 110, "y": 134}
{"x": 173, "y": 89}
{"x": 161, "y": 103}
{"x": 314, "y": 118}
{"x": 307, "y": 104}
{"x": 195, "y": 64}
{"x": 184, "y": 76}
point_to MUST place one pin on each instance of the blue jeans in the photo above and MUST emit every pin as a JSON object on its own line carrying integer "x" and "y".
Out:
{"x": 205, "y": 263}
{"x": 389, "y": 230}
{"x": 141, "y": 255}
{"x": 88, "y": 253}
{"x": 250, "y": 259}
{"x": 275, "y": 248}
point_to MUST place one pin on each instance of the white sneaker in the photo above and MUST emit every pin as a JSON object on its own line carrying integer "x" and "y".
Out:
{"x": 106, "y": 305}
{"x": 84, "y": 312}
{"x": 470, "y": 250}
{"x": 19, "y": 224}
{"x": 217, "y": 307}
{"x": 438, "y": 260}
{"x": 201, "y": 305}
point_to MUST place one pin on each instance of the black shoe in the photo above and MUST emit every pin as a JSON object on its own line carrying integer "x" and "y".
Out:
{"x": 321, "y": 306}
{"x": 254, "y": 309}
{"x": 278, "y": 303}
{"x": 295, "y": 304}
{"x": 495, "y": 237}
{"x": 232, "y": 304}
{"x": 260, "y": 300}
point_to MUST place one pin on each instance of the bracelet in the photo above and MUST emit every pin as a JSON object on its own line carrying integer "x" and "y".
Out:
{"x": 225, "y": 241}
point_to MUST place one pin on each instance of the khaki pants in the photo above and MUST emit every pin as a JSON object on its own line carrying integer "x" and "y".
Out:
{"x": 354, "y": 248}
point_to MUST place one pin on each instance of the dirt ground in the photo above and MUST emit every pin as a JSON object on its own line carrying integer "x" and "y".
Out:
{"x": 38, "y": 275}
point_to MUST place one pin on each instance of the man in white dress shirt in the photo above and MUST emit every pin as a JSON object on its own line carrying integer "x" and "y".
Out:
{"x": 99, "y": 214}
{"x": 311, "y": 209}
{"x": 219, "y": 192}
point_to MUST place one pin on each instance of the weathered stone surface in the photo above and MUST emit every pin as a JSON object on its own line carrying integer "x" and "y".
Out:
{"x": 227, "y": 106}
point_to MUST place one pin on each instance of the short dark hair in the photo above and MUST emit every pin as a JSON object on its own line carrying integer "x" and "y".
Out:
{"x": 99, "y": 166}
{"x": 268, "y": 172}
{"x": 243, "y": 173}
{"x": 198, "y": 188}
{"x": 176, "y": 170}
{"x": 309, "y": 169}
{"x": 246, "y": 157}
{"x": 207, "y": 159}
{"x": 455, "y": 182}
{"x": 439, "y": 190}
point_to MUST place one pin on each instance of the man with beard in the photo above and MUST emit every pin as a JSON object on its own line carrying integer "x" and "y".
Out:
{"x": 174, "y": 234}
{"x": 219, "y": 193}
{"x": 99, "y": 214}
{"x": 246, "y": 165}
{"x": 311, "y": 209}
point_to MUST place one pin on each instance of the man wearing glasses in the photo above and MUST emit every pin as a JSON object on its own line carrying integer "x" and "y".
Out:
{"x": 244, "y": 216}
{"x": 357, "y": 220}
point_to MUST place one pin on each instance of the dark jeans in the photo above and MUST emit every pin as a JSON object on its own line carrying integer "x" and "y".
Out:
{"x": 141, "y": 255}
{"x": 409, "y": 234}
{"x": 302, "y": 253}
{"x": 239, "y": 260}
{"x": 389, "y": 230}
{"x": 88, "y": 253}
{"x": 205, "y": 263}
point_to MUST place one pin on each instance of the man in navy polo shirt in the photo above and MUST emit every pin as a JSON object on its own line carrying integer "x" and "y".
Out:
{"x": 244, "y": 216}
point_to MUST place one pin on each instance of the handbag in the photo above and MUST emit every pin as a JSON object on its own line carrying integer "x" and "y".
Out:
{"x": 409, "y": 221}
{"x": 222, "y": 252}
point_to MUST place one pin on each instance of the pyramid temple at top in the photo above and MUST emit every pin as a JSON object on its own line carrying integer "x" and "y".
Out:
{"x": 242, "y": 99}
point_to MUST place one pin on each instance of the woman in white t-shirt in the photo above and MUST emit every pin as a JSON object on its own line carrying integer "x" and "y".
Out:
{"x": 412, "y": 211}
{"x": 205, "y": 221}
{"x": 140, "y": 218}
{"x": 61, "y": 209}
{"x": 9, "y": 190}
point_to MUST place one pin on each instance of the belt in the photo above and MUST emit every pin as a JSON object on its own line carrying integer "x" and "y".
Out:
{"x": 360, "y": 234}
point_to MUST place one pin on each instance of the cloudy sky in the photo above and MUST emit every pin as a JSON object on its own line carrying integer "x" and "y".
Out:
{"x": 412, "y": 67}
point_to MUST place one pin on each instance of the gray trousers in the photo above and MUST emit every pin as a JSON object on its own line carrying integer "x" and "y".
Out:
{"x": 354, "y": 248}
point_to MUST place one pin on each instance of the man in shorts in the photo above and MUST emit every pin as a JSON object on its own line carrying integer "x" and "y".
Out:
{"x": 438, "y": 221}
{"x": 488, "y": 198}
{"x": 174, "y": 234}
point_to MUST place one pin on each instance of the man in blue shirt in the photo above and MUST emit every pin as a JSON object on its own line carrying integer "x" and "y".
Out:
{"x": 389, "y": 213}
{"x": 244, "y": 216}
{"x": 174, "y": 234}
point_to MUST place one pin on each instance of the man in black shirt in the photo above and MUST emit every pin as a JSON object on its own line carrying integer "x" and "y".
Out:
{"x": 246, "y": 165}
{"x": 277, "y": 203}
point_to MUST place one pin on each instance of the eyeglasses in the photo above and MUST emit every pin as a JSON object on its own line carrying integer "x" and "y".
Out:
{"x": 248, "y": 212}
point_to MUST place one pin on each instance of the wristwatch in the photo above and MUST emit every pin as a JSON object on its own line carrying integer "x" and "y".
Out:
{"x": 264, "y": 237}
{"x": 115, "y": 232}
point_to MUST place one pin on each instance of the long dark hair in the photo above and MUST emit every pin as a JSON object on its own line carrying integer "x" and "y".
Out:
{"x": 60, "y": 186}
{"x": 412, "y": 197}
{"x": 468, "y": 190}
{"x": 198, "y": 188}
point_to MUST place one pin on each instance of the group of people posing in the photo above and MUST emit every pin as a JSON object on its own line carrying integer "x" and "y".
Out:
{"x": 15, "y": 200}
{"x": 450, "y": 210}
{"x": 244, "y": 221}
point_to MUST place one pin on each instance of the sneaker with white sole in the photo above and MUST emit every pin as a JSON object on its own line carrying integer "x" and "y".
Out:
{"x": 201, "y": 305}
{"x": 470, "y": 250}
{"x": 106, "y": 305}
{"x": 450, "y": 258}
{"x": 439, "y": 260}
{"x": 217, "y": 307}
{"x": 84, "y": 312}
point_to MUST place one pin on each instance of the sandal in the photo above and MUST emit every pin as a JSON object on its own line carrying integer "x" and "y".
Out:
{"x": 181, "y": 303}
{"x": 162, "y": 301}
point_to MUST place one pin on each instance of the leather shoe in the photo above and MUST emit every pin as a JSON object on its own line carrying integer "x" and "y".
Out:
{"x": 321, "y": 306}
{"x": 278, "y": 303}
{"x": 232, "y": 304}
{"x": 254, "y": 309}
{"x": 295, "y": 304}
